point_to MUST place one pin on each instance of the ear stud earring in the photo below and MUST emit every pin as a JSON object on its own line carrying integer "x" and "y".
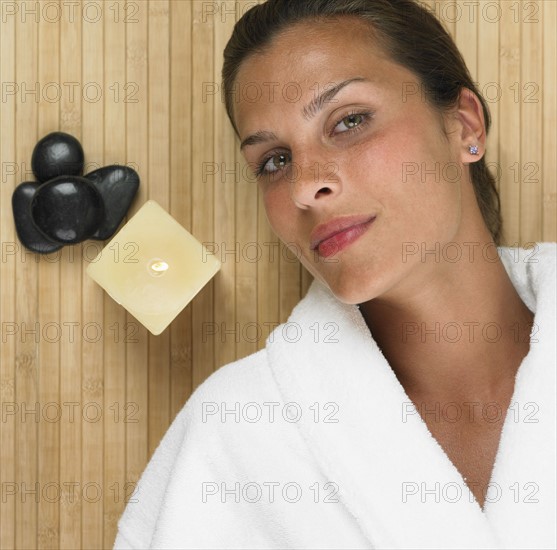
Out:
{"x": 474, "y": 149}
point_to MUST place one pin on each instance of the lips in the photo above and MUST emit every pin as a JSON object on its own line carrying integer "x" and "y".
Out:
{"x": 327, "y": 230}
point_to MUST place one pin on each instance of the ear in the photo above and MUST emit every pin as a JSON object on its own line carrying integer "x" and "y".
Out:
{"x": 470, "y": 121}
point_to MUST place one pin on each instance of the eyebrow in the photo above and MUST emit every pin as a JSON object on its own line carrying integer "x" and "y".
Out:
{"x": 316, "y": 104}
{"x": 259, "y": 137}
{"x": 309, "y": 111}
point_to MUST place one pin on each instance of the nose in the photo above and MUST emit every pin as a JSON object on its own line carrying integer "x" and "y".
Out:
{"x": 314, "y": 177}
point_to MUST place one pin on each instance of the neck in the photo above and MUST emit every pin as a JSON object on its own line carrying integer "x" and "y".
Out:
{"x": 461, "y": 331}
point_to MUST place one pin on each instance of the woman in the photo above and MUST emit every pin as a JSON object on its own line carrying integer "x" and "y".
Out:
{"x": 409, "y": 402}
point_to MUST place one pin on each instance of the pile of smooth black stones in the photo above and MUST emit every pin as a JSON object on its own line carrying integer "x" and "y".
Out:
{"x": 63, "y": 207}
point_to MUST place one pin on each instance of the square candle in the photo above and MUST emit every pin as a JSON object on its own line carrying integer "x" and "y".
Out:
{"x": 153, "y": 267}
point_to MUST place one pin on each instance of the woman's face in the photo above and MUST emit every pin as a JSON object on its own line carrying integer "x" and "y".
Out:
{"x": 376, "y": 150}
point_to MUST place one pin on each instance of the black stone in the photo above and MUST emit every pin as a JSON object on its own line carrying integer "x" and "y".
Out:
{"x": 67, "y": 209}
{"x": 28, "y": 234}
{"x": 57, "y": 154}
{"x": 118, "y": 186}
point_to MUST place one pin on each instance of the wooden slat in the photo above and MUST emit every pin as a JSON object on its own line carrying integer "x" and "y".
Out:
{"x": 549, "y": 167}
{"x": 180, "y": 188}
{"x": 115, "y": 94}
{"x": 159, "y": 190}
{"x": 226, "y": 175}
{"x": 71, "y": 312}
{"x": 531, "y": 98}
{"x": 134, "y": 334}
{"x": 202, "y": 118}
{"x": 53, "y": 329}
{"x": 10, "y": 255}
{"x": 509, "y": 124}
{"x": 90, "y": 115}
{"x": 26, "y": 292}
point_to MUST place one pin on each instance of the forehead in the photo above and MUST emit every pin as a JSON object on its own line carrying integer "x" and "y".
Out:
{"x": 312, "y": 44}
{"x": 305, "y": 59}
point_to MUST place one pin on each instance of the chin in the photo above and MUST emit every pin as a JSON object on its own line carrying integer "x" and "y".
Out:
{"x": 351, "y": 290}
{"x": 354, "y": 297}
{"x": 364, "y": 282}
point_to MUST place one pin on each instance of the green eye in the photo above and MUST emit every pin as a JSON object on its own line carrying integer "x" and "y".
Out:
{"x": 352, "y": 120}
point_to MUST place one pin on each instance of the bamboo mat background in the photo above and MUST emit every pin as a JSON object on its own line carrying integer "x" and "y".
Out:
{"x": 86, "y": 392}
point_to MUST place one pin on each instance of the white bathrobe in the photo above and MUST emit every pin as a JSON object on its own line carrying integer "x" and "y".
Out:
{"x": 313, "y": 443}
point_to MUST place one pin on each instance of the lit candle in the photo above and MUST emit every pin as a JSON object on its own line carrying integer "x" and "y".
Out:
{"x": 153, "y": 267}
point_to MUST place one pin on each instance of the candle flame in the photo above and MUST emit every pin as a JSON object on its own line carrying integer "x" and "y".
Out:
{"x": 159, "y": 267}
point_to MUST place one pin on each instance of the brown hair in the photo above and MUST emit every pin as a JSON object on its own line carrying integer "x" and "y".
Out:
{"x": 407, "y": 31}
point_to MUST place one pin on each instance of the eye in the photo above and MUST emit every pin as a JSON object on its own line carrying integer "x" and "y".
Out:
{"x": 352, "y": 122}
{"x": 273, "y": 163}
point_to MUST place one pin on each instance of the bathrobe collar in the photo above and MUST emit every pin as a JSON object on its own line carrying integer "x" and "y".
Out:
{"x": 365, "y": 435}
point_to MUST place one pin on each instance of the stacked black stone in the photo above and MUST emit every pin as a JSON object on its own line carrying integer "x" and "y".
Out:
{"x": 63, "y": 206}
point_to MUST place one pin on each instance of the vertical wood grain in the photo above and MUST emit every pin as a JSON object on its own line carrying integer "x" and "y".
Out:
{"x": 202, "y": 120}
{"x": 510, "y": 124}
{"x": 224, "y": 181}
{"x": 26, "y": 292}
{"x": 114, "y": 95}
{"x": 10, "y": 252}
{"x": 71, "y": 312}
{"x": 89, "y": 118}
{"x": 180, "y": 188}
{"x": 49, "y": 314}
{"x": 549, "y": 91}
{"x": 159, "y": 190}
{"x": 135, "y": 335}
{"x": 530, "y": 94}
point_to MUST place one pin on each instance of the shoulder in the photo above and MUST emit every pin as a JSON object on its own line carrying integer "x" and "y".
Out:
{"x": 251, "y": 378}
{"x": 245, "y": 377}
{"x": 231, "y": 388}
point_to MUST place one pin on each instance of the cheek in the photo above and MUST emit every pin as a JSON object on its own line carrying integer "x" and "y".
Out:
{"x": 285, "y": 219}
{"x": 412, "y": 176}
{"x": 280, "y": 211}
